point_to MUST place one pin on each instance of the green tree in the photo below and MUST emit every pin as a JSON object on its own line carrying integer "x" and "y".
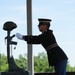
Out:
{"x": 69, "y": 68}
{"x": 22, "y": 62}
{"x": 41, "y": 63}
{"x": 3, "y": 63}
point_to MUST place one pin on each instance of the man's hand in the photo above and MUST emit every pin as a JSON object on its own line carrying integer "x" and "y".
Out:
{"x": 19, "y": 36}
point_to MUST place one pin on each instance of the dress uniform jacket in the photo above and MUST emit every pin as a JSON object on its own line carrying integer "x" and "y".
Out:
{"x": 47, "y": 40}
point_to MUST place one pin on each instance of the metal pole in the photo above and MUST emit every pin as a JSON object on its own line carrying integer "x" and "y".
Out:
{"x": 29, "y": 32}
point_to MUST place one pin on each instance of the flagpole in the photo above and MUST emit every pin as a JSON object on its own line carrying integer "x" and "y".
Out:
{"x": 29, "y": 32}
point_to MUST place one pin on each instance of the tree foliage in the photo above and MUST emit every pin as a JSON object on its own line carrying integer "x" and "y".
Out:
{"x": 3, "y": 63}
{"x": 21, "y": 62}
{"x": 40, "y": 63}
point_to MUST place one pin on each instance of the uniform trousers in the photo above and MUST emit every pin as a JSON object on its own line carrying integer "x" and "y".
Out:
{"x": 60, "y": 68}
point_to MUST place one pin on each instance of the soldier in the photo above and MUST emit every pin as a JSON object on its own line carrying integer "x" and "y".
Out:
{"x": 56, "y": 56}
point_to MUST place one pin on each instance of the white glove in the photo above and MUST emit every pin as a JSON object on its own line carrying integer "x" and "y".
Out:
{"x": 19, "y": 36}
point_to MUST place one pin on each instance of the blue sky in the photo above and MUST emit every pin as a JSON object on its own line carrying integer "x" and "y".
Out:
{"x": 62, "y": 14}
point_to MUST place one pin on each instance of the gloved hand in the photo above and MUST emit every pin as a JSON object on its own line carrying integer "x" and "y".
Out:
{"x": 19, "y": 36}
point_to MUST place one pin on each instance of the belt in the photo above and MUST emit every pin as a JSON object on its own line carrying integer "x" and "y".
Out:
{"x": 51, "y": 46}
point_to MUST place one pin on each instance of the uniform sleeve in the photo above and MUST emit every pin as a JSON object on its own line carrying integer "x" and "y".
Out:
{"x": 35, "y": 39}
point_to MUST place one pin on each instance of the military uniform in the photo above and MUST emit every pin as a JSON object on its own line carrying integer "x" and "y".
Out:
{"x": 47, "y": 40}
{"x": 56, "y": 56}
